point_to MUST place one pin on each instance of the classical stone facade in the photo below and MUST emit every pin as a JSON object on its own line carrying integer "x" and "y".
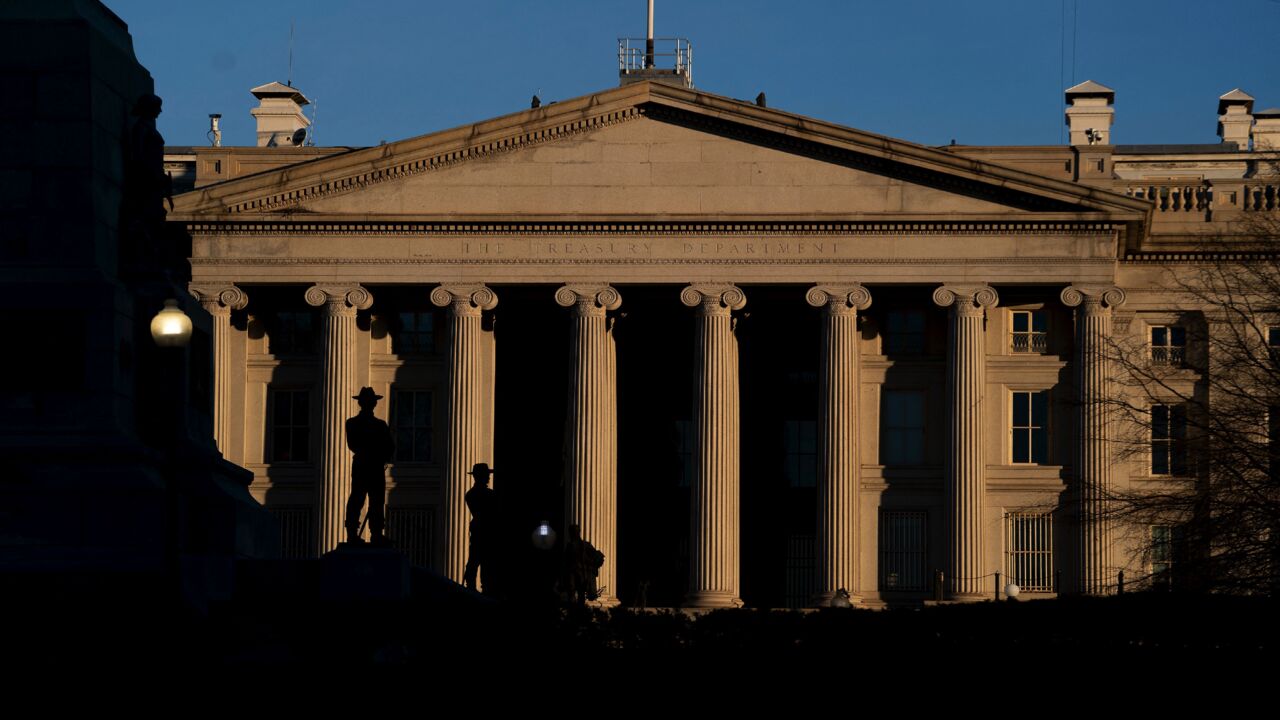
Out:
{"x": 912, "y": 394}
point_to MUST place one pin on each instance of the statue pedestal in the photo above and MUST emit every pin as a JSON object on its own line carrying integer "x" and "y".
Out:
{"x": 361, "y": 572}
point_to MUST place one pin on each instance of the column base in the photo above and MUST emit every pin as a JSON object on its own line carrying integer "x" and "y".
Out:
{"x": 712, "y": 599}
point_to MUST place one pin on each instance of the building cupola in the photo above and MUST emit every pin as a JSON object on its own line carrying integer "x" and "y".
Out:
{"x": 1090, "y": 112}
{"x": 281, "y": 122}
{"x": 1235, "y": 118}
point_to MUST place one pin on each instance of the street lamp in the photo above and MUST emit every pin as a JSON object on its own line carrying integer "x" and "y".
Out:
{"x": 544, "y": 537}
{"x": 171, "y": 327}
{"x": 1011, "y": 591}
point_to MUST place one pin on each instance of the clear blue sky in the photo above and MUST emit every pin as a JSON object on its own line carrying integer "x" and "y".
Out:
{"x": 982, "y": 72}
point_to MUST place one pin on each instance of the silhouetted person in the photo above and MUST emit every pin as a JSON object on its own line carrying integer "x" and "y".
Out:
{"x": 370, "y": 439}
{"x": 482, "y": 502}
{"x": 580, "y": 568}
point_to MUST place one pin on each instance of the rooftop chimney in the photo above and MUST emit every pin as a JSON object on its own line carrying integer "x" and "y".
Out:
{"x": 1235, "y": 121}
{"x": 1090, "y": 113}
{"x": 1266, "y": 130}
{"x": 279, "y": 114}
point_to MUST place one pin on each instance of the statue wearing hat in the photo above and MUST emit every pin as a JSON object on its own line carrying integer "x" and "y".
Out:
{"x": 370, "y": 440}
{"x": 482, "y": 502}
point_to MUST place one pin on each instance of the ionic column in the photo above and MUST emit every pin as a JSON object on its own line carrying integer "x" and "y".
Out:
{"x": 1093, "y": 459}
{"x": 838, "y": 490}
{"x": 219, "y": 301}
{"x": 591, "y": 500}
{"x": 338, "y": 368}
{"x": 965, "y": 478}
{"x": 714, "y": 537}
{"x": 464, "y": 446}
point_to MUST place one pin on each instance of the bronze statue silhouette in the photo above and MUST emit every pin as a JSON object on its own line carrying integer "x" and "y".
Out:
{"x": 580, "y": 568}
{"x": 482, "y": 502}
{"x": 370, "y": 440}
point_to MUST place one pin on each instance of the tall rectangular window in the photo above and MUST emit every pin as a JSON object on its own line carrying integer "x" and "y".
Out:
{"x": 902, "y": 428}
{"x": 801, "y": 453}
{"x": 1169, "y": 440}
{"x": 904, "y": 332}
{"x": 290, "y": 426}
{"x": 1029, "y": 550}
{"x": 411, "y": 421}
{"x": 1168, "y": 344}
{"x": 415, "y": 334}
{"x": 1031, "y": 427}
{"x": 1030, "y": 331}
{"x": 904, "y": 548}
{"x": 410, "y": 531}
{"x": 1167, "y": 544}
{"x": 292, "y": 333}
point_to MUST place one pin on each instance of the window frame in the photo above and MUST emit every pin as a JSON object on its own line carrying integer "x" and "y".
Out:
{"x": 1033, "y": 568}
{"x": 892, "y": 343}
{"x": 1177, "y": 455}
{"x": 885, "y": 428}
{"x": 1168, "y": 352}
{"x": 275, "y": 329}
{"x": 1037, "y": 341}
{"x": 396, "y": 429}
{"x": 1046, "y": 429}
{"x": 399, "y": 334}
{"x": 273, "y": 428}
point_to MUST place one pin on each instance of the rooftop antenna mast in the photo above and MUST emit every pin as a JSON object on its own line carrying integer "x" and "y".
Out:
{"x": 289, "y": 81}
{"x": 648, "y": 40}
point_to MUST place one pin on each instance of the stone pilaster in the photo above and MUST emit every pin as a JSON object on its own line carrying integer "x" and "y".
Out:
{"x": 1093, "y": 459}
{"x": 591, "y": 494}
{"x": 964, "y": 475}
{"x": 838, "y": 479}
{"x": 714, "y": 541}
{"x": 338, "y": 369}
{"x": 464, "y": 446}
{"x": 219, "y": 302}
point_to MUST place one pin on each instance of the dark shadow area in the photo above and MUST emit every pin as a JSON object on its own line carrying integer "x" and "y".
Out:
{"x": 654, "y": 339}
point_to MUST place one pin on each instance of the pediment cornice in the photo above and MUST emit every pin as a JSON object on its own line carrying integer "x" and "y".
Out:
{"x": 284, "y": 192}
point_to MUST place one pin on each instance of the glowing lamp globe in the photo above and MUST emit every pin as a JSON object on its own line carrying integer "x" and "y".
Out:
{"x": 544, "y": 537}
{"x": 1011, "y": 590}
{"x": 171, "y": 327}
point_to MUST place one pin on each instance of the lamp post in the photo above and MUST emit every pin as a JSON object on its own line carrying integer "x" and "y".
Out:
{"x": 171, "y": 329}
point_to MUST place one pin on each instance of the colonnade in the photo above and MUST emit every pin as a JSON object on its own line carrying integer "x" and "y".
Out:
{"x": 591, "y": 492}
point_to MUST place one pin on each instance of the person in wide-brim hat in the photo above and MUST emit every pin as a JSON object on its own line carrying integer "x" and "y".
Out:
{"x": 366, "y": 393}
{"x": 480, "y": 468}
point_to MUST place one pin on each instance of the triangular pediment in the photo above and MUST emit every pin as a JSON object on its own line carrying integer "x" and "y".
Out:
{"x": 650, "y": 151}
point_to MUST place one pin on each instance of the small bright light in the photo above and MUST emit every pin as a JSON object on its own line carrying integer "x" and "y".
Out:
{"x": 544, "y": 538}
{"x": 1012, "y": 590}
{"x": 171, "y": 327}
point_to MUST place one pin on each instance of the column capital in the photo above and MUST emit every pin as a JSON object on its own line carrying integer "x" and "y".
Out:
{"x": 713, "y": 299}
{"x": 1092, "y": 298}
{"x": 339, "y": 299}
{"x": 219, "y": 299}
{"x": 839, "y": 299}
{"x": 465, "y": 298}
{"x": 966, "y": 299}
{"x": 589, "y": 299}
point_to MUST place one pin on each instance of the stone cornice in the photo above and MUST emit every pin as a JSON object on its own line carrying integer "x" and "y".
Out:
{"x": 655, "y": 228}
{"x": 515, "y": 262}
